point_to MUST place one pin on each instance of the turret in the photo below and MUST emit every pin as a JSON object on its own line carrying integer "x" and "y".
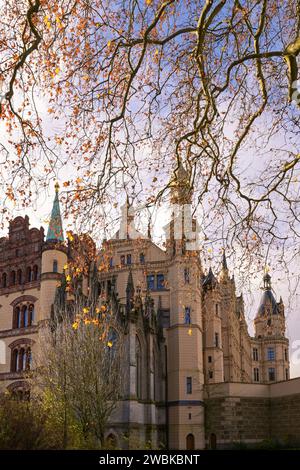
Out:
{"x": 270, "y": 335}
{"x": 54, "y": 257}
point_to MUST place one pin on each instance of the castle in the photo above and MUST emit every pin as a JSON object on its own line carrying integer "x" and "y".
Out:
{"x": 195, "y": 377}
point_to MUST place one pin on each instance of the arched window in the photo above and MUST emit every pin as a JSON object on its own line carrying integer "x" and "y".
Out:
{"x": 35, "y": 272}
{"x": 142, "y": 258}
{"x": 55, "y": 266}
{"x": 19, "y": 276}
{"x": 24, "y": 316}
{"x": 28, "y": 274}
{"x": 21, "y": 359}
{"x": 17, "y": 318}
{"x": 190, "y": 442}
{"x": 4, "y": 280}
{"x": 13, "y": 278}
{"x": 138, "y": 356}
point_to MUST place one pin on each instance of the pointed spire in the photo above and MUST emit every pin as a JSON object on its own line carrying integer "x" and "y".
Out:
{"x": 267, "y": 280}
{"x": 55, "y": 230}
{"x": 181, "y": 191}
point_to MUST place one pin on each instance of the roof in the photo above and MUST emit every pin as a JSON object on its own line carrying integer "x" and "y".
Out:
{"x": 267, "y": 300}
{"x": 55, "y": 230}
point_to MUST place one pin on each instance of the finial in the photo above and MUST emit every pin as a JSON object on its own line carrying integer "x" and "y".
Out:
{"x": 267, "y": 279}
{"x": 56, "y": 186}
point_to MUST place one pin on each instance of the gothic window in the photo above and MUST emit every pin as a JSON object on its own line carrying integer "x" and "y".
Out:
{"x": 142, "y": 258}
{"x": 35, "y": 272}
{"x": 55, "y": 266}
{"x": 210, "y": 374}
{"x": 187, "y": 315}
{"x": 271, "y": 354}
{"x": 150, "y": 282}
{"x": 160, "y": 281}
{"x": 4, "y": 280}
{"x": 21, "y": 358}
{"x": 186, "y": 275}
{"x": 12, "y": 278}
{"x": 209, "y": 359}
{"x": 128, "y": 259}
{"x": 271, "y": 374}
{"x": 255, "y": 354}
{"x": 23, "y": 315}
{"x": 138, "y": 356}
{"x": 256, "y": 374}
{"x": 189, "y": 385}
{"x": 122, "y": 260}
{"x": 286, "y": 374}
{"x": 217, "y": 309}
{"x": 19, "y": 276}
{"x": 111, "y": 262}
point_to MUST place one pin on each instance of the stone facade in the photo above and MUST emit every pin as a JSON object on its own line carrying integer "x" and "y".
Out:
{"x": 251, "y": 413}
{"x": 185, "y": 330}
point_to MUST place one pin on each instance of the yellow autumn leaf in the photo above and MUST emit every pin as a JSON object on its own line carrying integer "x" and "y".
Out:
{"x": 109, "y": 344}
{"x": 75, "y": 325}
{"x": 68, "y": 278}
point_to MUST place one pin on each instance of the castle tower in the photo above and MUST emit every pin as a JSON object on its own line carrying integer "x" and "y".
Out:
{"x": 54, "y": 257}
{"x": 213, "y": 352}
{"x": 184, "y": 336}
{"x": 270, "y": 332}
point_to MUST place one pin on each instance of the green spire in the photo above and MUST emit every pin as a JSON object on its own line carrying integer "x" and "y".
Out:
{"x": 55, "y": 230}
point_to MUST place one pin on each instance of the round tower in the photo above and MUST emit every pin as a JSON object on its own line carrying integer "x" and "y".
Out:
{"x": 270, "y": 331}
{"x": 54, "y": 257}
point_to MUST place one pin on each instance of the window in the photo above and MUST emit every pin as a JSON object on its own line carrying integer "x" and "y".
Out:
{"x": 111, "y": 262}
{"x": 217, "y": 309}
{"x": 210, "y": 374}
{"x": 216, "y": 340}
{"x": 209, "y": 359}
{"x": 189, "y": 385}
{"x": 187, "y": 315}
{"x": 23, "y": 316}
{"x": 271, "y": 354}
{"x": 21, "y": 359}
{"x": 286, "y": 355}
{"x": 190, "y": 415}
{"x": 122, "y": 260}
{"x": 55, "y": 266}
{"x": 255, "y": 354}
{"x": 128, "y": 260}
{"x": 160, "y": 281}
{"x": 271, "y": 374}
{"x": 286, "y": 374}
{"x": 186, "y": 274}
{"x": 142, "y": 258}
{"x": 150, "y": 282}
{"x": 256, "y": 374}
